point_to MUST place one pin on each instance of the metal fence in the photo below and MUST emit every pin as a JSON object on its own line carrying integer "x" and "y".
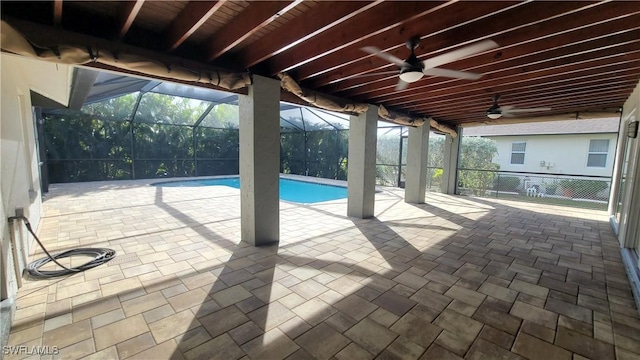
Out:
{"x": 394, "y": 175}
{"x": 558, "y": 189}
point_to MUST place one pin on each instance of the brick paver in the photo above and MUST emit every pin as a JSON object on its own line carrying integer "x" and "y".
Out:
{"x": 457, "y": 277}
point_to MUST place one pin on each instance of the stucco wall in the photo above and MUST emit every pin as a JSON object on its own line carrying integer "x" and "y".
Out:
{"x": 567, "y": 153}
{"x": 19, "y": 168}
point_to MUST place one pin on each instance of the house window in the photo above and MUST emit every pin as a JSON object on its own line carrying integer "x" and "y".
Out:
{"x": 598, "y": 150}
{"x": 517, "y": 153}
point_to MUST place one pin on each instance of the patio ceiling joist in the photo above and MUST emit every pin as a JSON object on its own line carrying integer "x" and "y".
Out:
{"x": 533, "y": 88}
{"x": 324, "y": 16}
{"x": 522, "y": 46}
{"x": 248, "y": 22}
{"x": 610, "y": 61}
{"x": 520, "y": 31}
{"x": 566, "y": 99}
{"x": 127, "y": 12}
{"x": 353, "y": 61}
{"x": 386, "y": 16}
{"x": 552, "y": 94}
{"x": 57, "y": 12}
{"x": 556, "y": 101}
{"x": 189, "y": 20}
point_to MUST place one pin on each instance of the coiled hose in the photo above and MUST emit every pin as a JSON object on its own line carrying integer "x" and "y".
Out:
{"x": 101, "y": 256}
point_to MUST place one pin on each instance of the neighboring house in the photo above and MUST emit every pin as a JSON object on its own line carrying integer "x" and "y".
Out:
{"x": 570, "y": 147}
{"x": 576, "y": 147}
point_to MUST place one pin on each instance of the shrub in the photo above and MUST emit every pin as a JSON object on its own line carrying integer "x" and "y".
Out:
{"x": 437, "y": 174}
{"x": 507, "y": 183}
{"x": 551, "y": 189}
{"x": 583, "y": 188}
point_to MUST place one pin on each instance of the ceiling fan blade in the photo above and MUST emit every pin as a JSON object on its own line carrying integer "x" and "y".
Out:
{"x": 459, "y": 53}
{"x": 383, "y": 55}
{"x": 452, "y": 73}
{"x": 401, "y": 85}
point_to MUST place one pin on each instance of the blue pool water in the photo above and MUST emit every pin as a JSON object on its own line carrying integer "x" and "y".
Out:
{"x": 290, "y": 190}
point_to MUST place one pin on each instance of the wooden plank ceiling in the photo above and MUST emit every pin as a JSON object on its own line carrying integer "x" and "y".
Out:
{"x": 569, "y": 56}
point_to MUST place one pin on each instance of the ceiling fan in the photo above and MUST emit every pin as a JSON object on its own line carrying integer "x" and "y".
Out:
{"x": 412, "y": 69}
{"x": 496, "y": 111}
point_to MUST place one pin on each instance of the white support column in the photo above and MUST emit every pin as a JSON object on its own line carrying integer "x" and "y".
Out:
{"x": 450, "y": 163}
{"x": 260, "y": 162}
{"x": 361, "y": 179}
{"x": 417, "y": 158}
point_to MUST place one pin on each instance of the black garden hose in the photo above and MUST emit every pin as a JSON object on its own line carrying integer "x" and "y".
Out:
{"x": 101, "y": 256}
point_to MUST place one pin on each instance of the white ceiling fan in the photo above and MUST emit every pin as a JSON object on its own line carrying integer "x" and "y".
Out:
{"x": 412, "y": 69}
{"x": 496, "y": 111}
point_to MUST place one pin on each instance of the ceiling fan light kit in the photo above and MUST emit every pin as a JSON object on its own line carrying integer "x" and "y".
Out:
{"x": 411, "y": 75}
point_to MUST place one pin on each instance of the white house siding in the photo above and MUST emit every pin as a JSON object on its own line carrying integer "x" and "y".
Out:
{"x": 567, "y": 153}
{"x": 20, "y": 173}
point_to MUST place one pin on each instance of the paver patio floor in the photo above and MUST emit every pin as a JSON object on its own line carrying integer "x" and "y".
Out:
{"x": 457, "y": 277}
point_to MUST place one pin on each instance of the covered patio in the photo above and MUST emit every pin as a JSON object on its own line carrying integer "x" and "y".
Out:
{"x": 453, "y": 278}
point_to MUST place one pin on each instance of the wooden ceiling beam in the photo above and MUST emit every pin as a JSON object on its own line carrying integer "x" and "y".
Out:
{"x": 381, "y": 18}
{"x": 438, "y": 42}
{"x": 253, "y": 18}
{"x": 57, "y": 12}
{"x": 525, "y": 101}
{"x": 532, "y": 87}
{"x": 584, "y": 106}
{"x": 189, "y": 20}
{"x": 127, "y": 12}
{"x": 601, "y": 73}
{"x": 518, "y": 29}
{"x": 557, "y": 66}
{"x": 337, "y": 65}
{"x": 490, "y": 92}
{"x": 559, "y": 102}
{"x": 322, "y": 17}
{"x": 529, "y": 41}
{"x": 610, "y": 97}
{"x": 566, "y": 54}
{"x": 609, "y": 106}
{"x": 603, "y": 69}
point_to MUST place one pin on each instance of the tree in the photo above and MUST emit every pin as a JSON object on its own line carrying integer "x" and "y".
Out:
{"x": 387, "y": 155}
{"x": 310, "y": 149}
{"x": 476, "y": 155}
{"x": 436, "y": 150}
{"x": 96, "y": 143}
{"x": 82, "y": 148}
{"x": 218, "y": 151}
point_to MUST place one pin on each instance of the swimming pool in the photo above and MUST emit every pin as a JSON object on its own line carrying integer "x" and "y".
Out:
{"x": 290, "y": 190}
